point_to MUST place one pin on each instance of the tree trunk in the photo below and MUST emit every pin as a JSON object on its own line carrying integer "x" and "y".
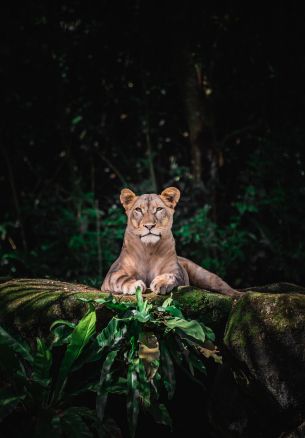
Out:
{"x": 204, "y": 155}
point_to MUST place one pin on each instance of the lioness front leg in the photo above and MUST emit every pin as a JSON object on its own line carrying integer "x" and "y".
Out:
{"x": 120, "y": 282}
{"x": 129, "y": 288}
{"x": 163, "y": 284}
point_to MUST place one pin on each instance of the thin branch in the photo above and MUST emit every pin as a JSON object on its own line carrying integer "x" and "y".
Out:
{"x": 98, "y": 241}
{"x": 234, "y": 133}
{"x": 150, "y": 158}
{"x": 114, "y": 168}
{"x": 149, "y": 150}
{"x": 11, "y": 179}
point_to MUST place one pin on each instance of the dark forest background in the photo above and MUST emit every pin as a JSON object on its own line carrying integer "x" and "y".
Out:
{"x": 139, "y": 94}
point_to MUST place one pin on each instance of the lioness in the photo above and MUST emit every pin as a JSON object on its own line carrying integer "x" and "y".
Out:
{"x": 148, "y": 257}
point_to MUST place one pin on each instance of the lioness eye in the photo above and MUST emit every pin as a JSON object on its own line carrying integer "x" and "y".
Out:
{"x": 159, "y": 208}
{"x": 138, "y": 209}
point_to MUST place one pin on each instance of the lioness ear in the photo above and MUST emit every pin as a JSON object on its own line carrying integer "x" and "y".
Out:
{"x": 170, "y": 196}
{"x": 127, "y": 198}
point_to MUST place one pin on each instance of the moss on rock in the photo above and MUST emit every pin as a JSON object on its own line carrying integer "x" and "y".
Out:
{"x": 211, "y": 308}
{"x": 265, "y": 334}
{"x": 31, "y": 305}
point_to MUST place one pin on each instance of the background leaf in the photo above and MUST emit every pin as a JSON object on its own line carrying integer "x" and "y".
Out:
{"x": 73, "y": 424}
{"x": 111, "y": 334}
{"x": 42, "y": 363}
{"x": 15, "y": 345}
{"x": 105, "y": 378}
{"x": 79, "y": 339}
{"x": 161, "y": 415}
{"x": 8, "y": 402}
{"x": 191, "y": 328}
{"x": 168, "y": 371}
{"x": 133, "y": 399}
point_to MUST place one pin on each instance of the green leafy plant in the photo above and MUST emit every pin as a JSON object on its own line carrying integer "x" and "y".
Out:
{"x": 134, "y": 355}
{"x": 143, "y": 342}
{"x": 32, "y": 385}
{"x": 87, "y": 233}
{"x": 216, "y": 248}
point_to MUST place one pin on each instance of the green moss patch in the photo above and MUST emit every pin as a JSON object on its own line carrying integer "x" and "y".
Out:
{"x": 31, "y": 305}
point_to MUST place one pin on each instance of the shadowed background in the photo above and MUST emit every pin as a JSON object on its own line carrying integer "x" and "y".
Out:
{"x": 101, "y": 96}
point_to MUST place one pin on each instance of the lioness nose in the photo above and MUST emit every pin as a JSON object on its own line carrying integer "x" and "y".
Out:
{"x": 149, "y": 226}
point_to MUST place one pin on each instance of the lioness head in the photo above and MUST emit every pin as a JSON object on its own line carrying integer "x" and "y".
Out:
{"x": 150, "y": 216}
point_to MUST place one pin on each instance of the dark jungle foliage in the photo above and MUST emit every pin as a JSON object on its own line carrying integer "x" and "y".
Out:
{"x": 42, "y": 389}
{"x": 100, "y": 96}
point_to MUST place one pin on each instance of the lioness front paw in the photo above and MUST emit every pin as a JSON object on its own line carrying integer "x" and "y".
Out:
{"x": 130, "y": 287}
{"x": 163, "y": 284}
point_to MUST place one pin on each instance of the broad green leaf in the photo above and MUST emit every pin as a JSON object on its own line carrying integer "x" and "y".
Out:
{"x": 111, "y": 334}
{"x": 132, "y": 399}
{"x": 61, "y": 330}
{"x": 117, "y": 387}
{"x": 90, "y": 300}
{"x": 147, "y": 306}
{"x": 95, "y": 300}
{"x": 139, "y": 297}
{"x": 192, "y": 342}
{"x": 179, "y": 351}
{"x": 141, "y": 313}
{"x": 208, "y": 332}
{"x": 144, "y": 385}
{"x": 168, "y": 301}
{"x": 174, "y": 311}
{"x": 42, "y": 363}
{"x": 110, "y": 302}
{"x": 171, "y": 310}
{"x": 168, "y": 371}
{"x": 142, "y": 316}
{"x": 81, "y": 335}
{"x": 91, "y": 353}
{"x": 62, "y": 322}
{"x": 118, "y": 307}
{"x": 191, "y": 328}
{"x": 105, "y": 377}
{"x": 15, "y": 345}
{"x": 133, "y": 348}
{"x": 62, "y": 335}
{"x": 73, "y": 424}
{"x": 8, "y": 402}
{"x": 160, "y": 414}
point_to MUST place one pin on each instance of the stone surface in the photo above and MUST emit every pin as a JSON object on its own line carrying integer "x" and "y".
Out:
{"x": 266, "y": 333}
{"x": 265, "y": 341}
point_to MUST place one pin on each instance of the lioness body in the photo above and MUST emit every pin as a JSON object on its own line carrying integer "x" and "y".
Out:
{"x": 148, "y": 258}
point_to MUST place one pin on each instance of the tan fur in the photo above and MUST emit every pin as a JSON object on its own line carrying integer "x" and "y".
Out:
{"x": 148, "y": 258}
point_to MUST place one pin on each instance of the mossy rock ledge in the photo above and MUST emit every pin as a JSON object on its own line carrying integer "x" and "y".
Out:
{"x": 29, "y": 306}
{"x": 265, "y": 348}
{"x": 259, "y": 391}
